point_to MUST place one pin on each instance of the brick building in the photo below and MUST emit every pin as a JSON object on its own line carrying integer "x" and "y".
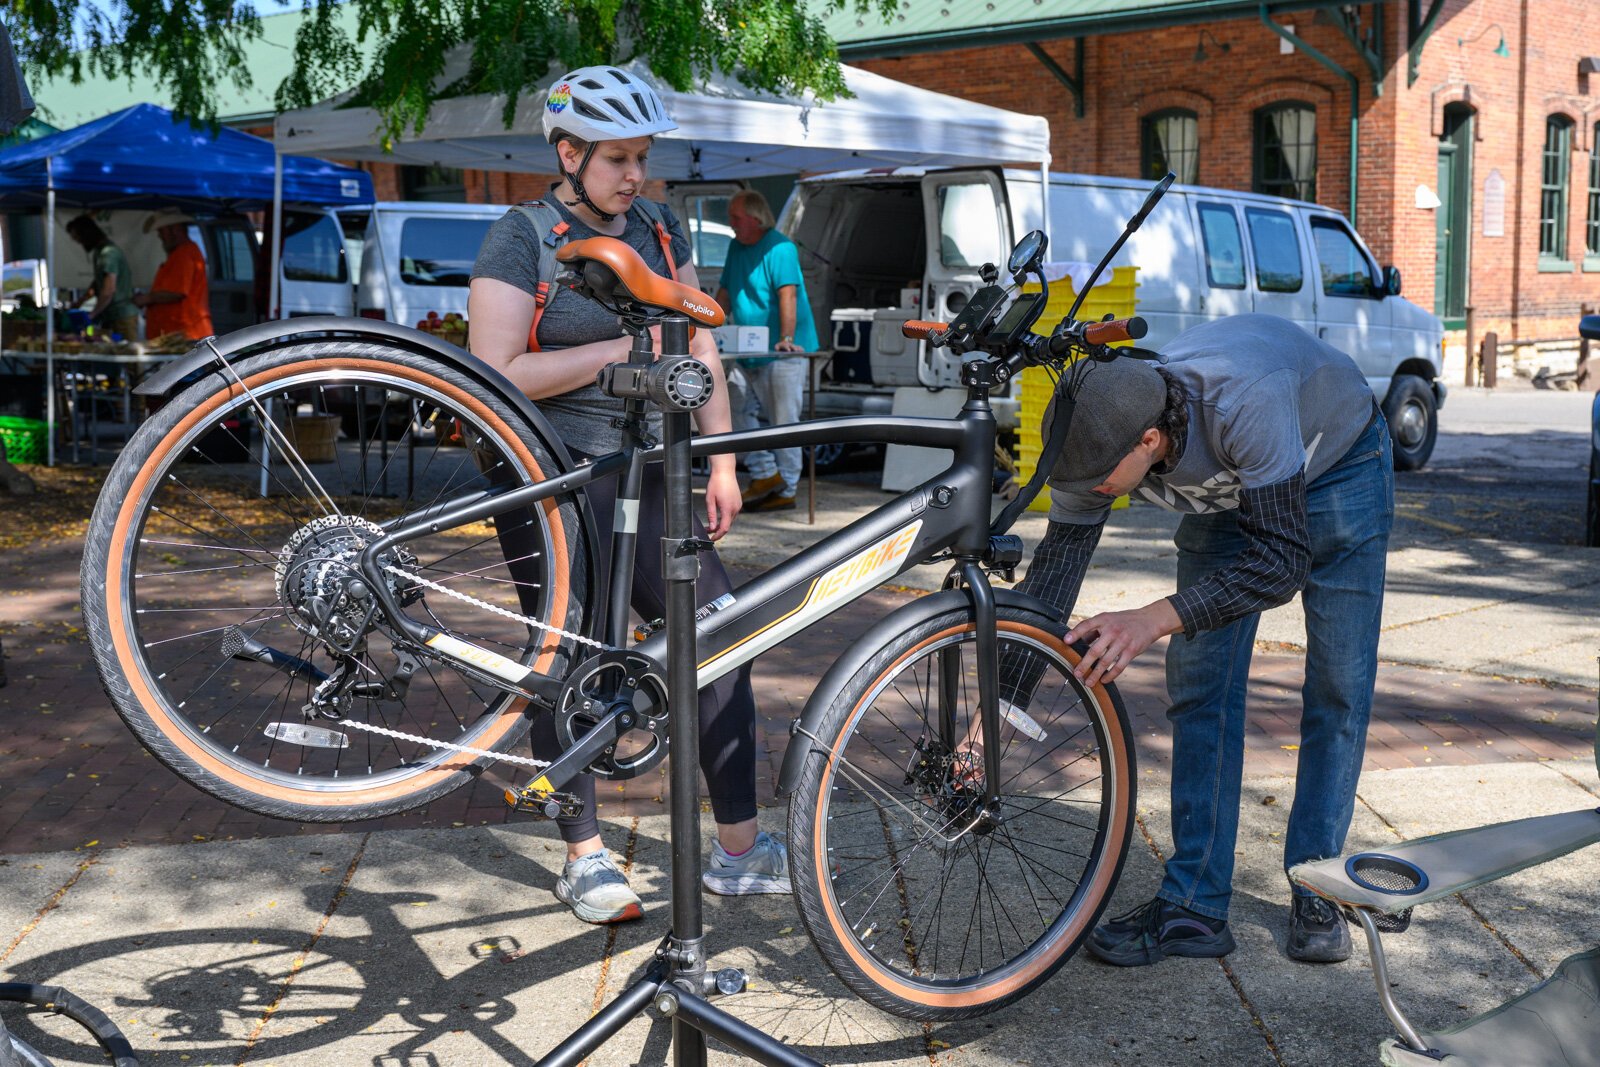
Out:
{"x": 1477, "y": 162}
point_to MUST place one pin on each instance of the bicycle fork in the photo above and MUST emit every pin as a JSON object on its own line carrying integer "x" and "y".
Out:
{"x": 976, "y": 583}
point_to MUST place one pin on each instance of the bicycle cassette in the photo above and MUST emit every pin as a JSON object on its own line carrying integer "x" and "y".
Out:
{"x": 602, "y": 682}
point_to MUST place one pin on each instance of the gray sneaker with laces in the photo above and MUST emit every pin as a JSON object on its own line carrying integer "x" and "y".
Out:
{"x": 597, "y": 891}
{"x": 762, "y": 869}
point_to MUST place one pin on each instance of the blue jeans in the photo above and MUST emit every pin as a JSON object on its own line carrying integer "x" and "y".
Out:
{"x": 1349, "y": 512}
{"x": 780, "y": 386}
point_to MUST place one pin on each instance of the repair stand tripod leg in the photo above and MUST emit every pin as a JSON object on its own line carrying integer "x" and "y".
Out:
{"x": 677, "y": 982}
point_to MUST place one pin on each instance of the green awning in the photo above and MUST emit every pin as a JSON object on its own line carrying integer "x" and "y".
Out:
{"x": 939, "y": 25}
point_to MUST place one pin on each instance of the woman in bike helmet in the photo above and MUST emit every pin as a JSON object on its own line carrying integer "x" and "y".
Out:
{"x": 552, "y": 343}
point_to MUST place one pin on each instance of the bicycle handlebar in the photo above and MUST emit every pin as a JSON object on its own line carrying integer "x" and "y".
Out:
{"x": 1104, "y": 333}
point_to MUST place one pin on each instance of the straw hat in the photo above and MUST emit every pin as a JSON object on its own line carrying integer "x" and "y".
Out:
{"x": 167, "y": 217}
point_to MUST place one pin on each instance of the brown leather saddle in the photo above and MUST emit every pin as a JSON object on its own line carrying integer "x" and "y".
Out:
{"x": 613, "y": 273}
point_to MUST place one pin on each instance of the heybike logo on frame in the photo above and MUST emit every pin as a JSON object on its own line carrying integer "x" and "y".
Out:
{"x": 867, "y": 569}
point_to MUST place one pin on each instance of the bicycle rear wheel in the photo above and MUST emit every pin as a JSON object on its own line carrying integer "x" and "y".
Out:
{"x": 919, "y": 906}
{"x": 231, "y": 512}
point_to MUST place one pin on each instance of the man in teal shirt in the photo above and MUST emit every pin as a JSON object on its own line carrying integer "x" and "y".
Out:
{"x": 762, "y": 279}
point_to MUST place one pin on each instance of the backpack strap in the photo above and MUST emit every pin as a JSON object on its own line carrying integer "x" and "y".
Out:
{"x": 652, "y": 213}
{"x": 548, "y": 221}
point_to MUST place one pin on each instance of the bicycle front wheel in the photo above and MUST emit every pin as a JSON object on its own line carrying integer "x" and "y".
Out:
{"x": 925, "y": 902}
{"x": 218, "y": 568}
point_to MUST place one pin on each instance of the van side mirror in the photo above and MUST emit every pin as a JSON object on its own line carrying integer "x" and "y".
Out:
{"x": 1589, "y": 326}
{"x": 1391, "y": 281}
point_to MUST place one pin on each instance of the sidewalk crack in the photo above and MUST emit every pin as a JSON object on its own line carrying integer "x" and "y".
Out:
{"x": 305, "y": 951}
{"x": 1233, "y": 979}
{"x": 49, "y": 905}
{"x": 611, "y": 931}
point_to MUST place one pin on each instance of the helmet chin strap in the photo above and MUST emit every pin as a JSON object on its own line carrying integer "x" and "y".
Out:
{"x": 575, "y": 179}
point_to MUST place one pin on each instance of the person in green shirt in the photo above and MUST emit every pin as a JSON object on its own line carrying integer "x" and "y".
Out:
{"x": 112, "y": 289}
{"x": 761, "y": 277}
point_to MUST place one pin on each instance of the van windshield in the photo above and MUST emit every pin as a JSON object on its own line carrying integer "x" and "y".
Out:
{"x": 440, "y": 251}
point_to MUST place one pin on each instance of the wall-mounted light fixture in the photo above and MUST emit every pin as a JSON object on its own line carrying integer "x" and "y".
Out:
{"x": 1200, "y": 45}
{"x": 1499, "y": 49}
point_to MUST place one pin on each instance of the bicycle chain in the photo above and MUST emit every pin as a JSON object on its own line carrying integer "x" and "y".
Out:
{"x": 503, "y": 757}
{"x": 497, "y": 610}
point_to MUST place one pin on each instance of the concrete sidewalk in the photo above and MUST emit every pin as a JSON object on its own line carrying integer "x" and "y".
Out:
{"x": 214, "y": 936}
{"x": 424, "y": 947}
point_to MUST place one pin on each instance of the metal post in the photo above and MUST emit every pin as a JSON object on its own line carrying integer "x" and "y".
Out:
{"x": 1380, "y": 975}
{"x": 1585, "y": 372}
{"x": 273, "y": 311}
{"x": 50, "y": 315}
{"x": 680, "y": 566}
{"x": 1489, "y": 360}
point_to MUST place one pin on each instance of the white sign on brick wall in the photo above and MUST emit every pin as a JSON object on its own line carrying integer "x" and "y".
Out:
{"x": 1494, "y": 205}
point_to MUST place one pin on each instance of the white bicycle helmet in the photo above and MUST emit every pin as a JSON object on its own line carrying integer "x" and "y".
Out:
{"x": 604, "y": 104}
{"x": 601, "y": 104}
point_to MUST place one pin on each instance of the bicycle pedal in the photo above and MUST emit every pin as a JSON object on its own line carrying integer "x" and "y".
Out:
{"x": 543, "y": 802}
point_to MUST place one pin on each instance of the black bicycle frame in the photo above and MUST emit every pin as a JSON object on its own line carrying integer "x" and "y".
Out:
{"x": 946, "y": 517}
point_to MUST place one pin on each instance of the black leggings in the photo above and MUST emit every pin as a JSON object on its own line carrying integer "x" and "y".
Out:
{"x": 727, "y": 706}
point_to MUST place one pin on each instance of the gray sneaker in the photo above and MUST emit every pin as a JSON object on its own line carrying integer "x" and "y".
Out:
{"x": 763, "y": 869}
{"x": 597, "y": 891}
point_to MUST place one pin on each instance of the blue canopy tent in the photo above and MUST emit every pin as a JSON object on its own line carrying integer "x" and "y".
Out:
{"x": 143, "y": 157}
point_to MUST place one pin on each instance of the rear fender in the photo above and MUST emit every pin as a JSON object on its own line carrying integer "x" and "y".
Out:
{"x": 861, "y": 651}
{"x": 207, "y": 357}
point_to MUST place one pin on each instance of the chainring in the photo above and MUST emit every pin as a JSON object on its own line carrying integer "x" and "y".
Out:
{"x": 591, "y": 689}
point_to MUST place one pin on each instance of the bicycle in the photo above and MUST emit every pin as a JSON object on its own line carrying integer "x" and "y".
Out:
{"x": 292, "y": 634}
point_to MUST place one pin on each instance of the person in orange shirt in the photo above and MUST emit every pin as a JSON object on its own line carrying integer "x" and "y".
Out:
{"x": 179, "y": 298}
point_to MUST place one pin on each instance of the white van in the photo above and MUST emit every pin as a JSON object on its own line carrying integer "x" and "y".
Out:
{"x": 417, "y": 257}
{"x": 320, "y": 260}
{"x": 879, "y": 247}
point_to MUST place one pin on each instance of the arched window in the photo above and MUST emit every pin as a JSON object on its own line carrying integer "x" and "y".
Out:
{"x": 1286, "y": 150}
{"x": 1553, "y": 177}
{"x": 1169, "y": 140}
{"x": 1592, "y": 245}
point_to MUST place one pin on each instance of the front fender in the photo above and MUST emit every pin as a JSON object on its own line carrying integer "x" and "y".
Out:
{"x": 863, "y": 649}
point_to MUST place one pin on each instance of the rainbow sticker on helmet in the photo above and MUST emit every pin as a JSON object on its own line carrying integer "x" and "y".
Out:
{"x": 560, "y": 97}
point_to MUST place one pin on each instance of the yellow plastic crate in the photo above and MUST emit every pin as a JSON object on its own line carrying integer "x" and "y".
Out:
{"x": 1118, "y": 298}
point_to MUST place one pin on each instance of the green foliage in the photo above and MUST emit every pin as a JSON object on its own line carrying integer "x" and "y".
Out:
{"x": 424, "y": 50}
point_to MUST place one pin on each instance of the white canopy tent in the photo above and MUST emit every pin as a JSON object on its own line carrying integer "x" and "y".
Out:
{"x": 726, "y": 131}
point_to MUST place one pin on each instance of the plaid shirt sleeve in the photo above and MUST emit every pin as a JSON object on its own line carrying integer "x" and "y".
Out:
{"x": 1056, "y": 572}
{"x": 1273, "y": 567}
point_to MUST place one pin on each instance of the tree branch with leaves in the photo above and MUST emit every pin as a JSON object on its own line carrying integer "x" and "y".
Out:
{"x": 398, "y": 55}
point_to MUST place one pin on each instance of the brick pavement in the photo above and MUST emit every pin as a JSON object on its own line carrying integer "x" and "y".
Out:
{"x": 74, "y": 774}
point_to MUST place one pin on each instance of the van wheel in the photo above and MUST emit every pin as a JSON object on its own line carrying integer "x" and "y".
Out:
{"x": 1413, "y": 421}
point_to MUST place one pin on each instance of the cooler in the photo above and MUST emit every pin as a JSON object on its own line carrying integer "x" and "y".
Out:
{"x": 852, "y": 345}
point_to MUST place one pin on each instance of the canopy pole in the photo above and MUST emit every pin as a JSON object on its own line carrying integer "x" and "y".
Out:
{"x": 273, "y": 311}
{"x": 50, "y": 314}
{"x": 1044, "y": 197}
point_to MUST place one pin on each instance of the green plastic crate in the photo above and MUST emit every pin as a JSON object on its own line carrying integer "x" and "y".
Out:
{"x": 27, "y": 440}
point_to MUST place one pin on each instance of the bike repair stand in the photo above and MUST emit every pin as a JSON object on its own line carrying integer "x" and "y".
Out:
{"x": 677, "y": 982}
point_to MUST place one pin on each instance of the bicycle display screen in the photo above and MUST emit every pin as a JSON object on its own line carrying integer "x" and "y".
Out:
{"x": 1018, "y": 317}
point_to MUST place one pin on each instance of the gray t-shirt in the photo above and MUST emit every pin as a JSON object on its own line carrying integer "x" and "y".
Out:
{"x": 510, "y": 254}
{"x": 1266, "y": 400}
